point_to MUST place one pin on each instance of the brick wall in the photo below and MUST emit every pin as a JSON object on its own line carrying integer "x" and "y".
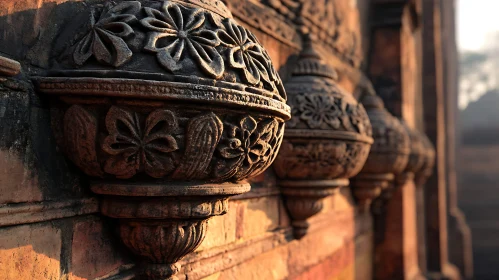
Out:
{"x": 49, "y": 226}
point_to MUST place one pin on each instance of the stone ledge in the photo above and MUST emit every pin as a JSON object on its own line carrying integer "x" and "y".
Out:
{"x": 27, "y": 213}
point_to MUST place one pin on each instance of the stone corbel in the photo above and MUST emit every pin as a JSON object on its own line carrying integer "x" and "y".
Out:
{"x": 158, "y": 104}
{"x": 388, "y": 156}
{"x": 326, "y": 141}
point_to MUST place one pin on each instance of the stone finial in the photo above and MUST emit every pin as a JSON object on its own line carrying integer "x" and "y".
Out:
{"x": 326, "y": 141}
{"x": 168, "y": 107}
{"x": 388, "y": 156}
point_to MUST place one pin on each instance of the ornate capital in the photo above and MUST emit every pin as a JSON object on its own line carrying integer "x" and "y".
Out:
{"x": 168, "y": 106}
{"x": 326, "y": 142}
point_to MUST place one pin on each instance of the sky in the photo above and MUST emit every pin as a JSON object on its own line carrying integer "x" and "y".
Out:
{"x": 475, "y": 20}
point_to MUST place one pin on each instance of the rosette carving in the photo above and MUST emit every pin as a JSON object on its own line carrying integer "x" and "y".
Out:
{"x": 171, "y": 34}
{"x": 108, "y": 28}
{"x": 327, "y": 140}
{"x": 168, "y": 106}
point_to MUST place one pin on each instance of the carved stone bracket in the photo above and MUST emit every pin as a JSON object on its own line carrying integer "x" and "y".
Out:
{"x": 168, "y": 106}
{"x": 388, "y": 156}
{"x": 327, "y": 140}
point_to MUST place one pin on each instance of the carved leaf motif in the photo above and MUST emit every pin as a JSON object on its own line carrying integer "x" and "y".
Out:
{"x": 80, "y": 132}
{"x": 248, "y": 148}
{"x": 175, "y": 30}
{"x": 203, "y": 134}
{"x": 105, "y": 39}
{"x": 135, "y": 147}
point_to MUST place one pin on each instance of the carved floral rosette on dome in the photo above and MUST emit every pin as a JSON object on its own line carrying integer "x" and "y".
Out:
{"x": 168, "y": 106}
{"x": 326, "y": 142}
{"x": 388, "y": 156}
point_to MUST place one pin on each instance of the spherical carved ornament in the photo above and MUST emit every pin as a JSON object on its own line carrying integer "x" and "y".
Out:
{"x": 391, "y": 148}
{"x": 169, "y": 106}
{"x": 417, "y": 150}
{"x": 169, "y": 52}
{"x": 428, "y": 161}
{"x": 326, "y": 142}
{"x": 329, "y": 134}
{"x": 388, "y": 157}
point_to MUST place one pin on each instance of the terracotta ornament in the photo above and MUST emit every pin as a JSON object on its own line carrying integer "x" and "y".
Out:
{"x": 326, "y": 141}
{"x": 416, "y": 156}
{"x": 426, "y": 170}
{"x": 388, "y": 156}
{"x": 168, "y": 107}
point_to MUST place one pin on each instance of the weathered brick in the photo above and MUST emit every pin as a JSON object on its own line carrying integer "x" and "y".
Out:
{"x": 17, "y": 184}
{"x": 30, "y": 252}
{"x": 257, "y": 216}
{"x": 94, "y": 253}
{"x": 270, "y": 265}
{"x": 328, "y": 233}
{"x": 340, "y": 265}
{"x": 222, "y": 229}
{"x": 364, "y": 256}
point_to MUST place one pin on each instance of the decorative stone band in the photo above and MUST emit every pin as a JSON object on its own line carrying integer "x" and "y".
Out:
{"x": 235, "y": 97}
{"x": 169, "y": 201}
{"x": 268, "y": 20}
{"x": 327, "y": 134}
{"x": 215, "y": 6}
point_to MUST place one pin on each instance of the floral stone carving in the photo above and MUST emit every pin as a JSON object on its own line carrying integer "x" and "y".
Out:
{"x": 326, "y": 142}
{"x": 168, "y": 106}
{"x": 388, "y": 156}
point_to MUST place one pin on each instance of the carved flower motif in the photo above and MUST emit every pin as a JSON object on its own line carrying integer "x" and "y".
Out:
{"x": 135, "y": 147}
{"x": 248, "y": 146}
{"x": 105, "y": 39}
{"x": 319, "y": 109}
{"x": 175, "y": 30}
{"x": 246, "y": 54}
